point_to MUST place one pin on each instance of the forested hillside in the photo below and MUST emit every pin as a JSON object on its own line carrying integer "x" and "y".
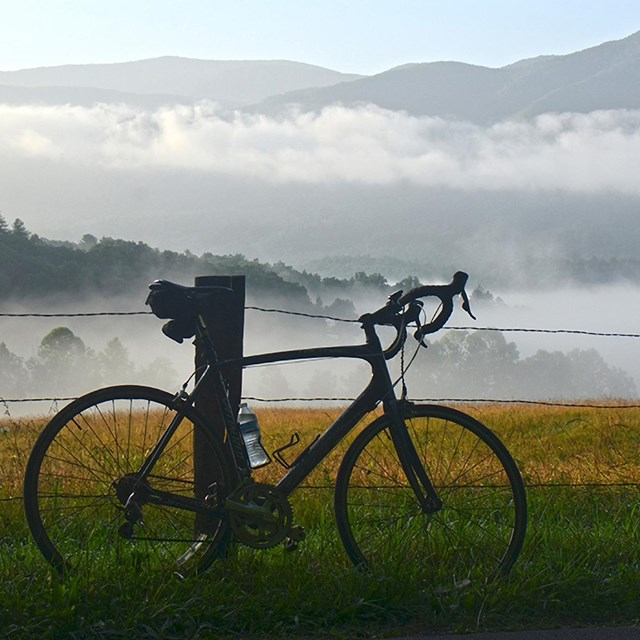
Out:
{"x": 35, "y": 268}
{"x": 38, "y": 274}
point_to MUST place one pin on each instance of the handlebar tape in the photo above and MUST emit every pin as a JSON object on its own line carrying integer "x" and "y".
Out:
{"x": 445, "y": 293}
{"x": 442, "y": 291}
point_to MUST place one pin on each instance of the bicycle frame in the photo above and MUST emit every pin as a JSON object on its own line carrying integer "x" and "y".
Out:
{"x": 379, "y": 389}
{"x": 188, "y": 486}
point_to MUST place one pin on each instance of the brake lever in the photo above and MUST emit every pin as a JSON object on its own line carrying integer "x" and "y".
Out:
{"x": 416, "y": 308}
{"x": 412, "y": 314}
{"x": 465, "y": 304}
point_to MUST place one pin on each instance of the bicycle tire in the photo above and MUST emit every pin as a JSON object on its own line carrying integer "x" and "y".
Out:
{"x": 74, "y": 496}
{"x": 478, "y": 533}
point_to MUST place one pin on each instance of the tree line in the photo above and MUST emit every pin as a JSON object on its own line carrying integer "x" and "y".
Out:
{"x": 483, "y": 364}
{"x": 461, "y": 364}
{"x": 64, "y": 365}
{"x": 32, "y": 267}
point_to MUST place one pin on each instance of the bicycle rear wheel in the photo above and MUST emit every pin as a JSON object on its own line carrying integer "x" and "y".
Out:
{"x": 480, "y": 529}
{"x": 82, "y": 470}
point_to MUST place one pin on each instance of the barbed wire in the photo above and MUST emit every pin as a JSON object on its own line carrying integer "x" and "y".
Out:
{"x": 570, "y": 331}
{"x": 325, "y": 399}
{"x": 321, "y": 316}
{"x": 584, "y": 485}
{"x": 17, "y": 400}
{"x": 529, "y": 485}
{"x": 303, "y": 314}
{"x": 545, "y": 403}
{"x": 76, "y": 315}
{"x": 352, "y": 321}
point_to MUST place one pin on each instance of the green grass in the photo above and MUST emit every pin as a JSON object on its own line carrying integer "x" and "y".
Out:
{"x": 580, "y": 564}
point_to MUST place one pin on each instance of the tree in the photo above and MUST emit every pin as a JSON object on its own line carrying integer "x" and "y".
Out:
{"x": 14, "y": 377}
{"x": 88, "y": 242}
{"x": 323, "y": 383}
{"x": 115, "y": 364}
{"x": 579, "y": 374}
{"x": 341, "y": 308}
{"x": 60, "y": 343}
{"x": 159, "y": 373}
{"x": 19, "y": 230}
{"x": 408, "y": 283}
{"x": 273, "y": 383}
{"x": 374, "y": 280}
{"x": 64, "y": 365}
{"x": 483, "y": 296}
{"x": 469, "y": 364}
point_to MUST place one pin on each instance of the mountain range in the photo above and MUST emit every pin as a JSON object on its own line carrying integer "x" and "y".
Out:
{"x": 602, "y": 77}
{"x": 165, "y": 80}
{"x": 606, "y": 76}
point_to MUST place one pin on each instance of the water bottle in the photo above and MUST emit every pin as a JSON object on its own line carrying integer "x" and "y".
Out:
{"x": 250, "y": 431}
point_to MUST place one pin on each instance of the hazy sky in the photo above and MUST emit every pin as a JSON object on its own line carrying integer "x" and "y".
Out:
{"x": 362, "y": 36}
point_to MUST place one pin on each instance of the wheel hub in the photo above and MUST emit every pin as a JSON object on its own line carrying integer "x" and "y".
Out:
{"x": 127, "y": 485}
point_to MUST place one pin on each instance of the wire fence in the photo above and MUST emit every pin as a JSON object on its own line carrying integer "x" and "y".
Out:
{"x": 94, "y": 314}
{"x": 294, "y": 399}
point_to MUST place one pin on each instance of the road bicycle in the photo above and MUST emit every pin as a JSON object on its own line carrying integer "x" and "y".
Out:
{"x": 135, "y": 476}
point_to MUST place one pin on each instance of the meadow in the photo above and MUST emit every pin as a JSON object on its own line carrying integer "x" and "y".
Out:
{"x": 580, "y": 564}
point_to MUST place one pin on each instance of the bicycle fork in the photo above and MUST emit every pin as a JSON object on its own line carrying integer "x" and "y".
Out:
{"x": 412, "y": 466}
{"x": 410, "y": 462}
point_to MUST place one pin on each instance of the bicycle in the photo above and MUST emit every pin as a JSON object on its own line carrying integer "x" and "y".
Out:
{"x": 117, "y": 477}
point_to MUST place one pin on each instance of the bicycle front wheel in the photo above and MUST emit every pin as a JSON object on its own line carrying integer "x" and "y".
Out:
{"x": 83, "y": 469}
{"x": 480, "y": 528}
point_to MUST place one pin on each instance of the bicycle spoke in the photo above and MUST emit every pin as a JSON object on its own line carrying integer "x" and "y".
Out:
{"x": 83, "y": 470}
{"x": 478, "y": 529}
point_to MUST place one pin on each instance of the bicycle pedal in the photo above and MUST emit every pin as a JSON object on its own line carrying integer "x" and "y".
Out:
{"x": 296, "y": 535}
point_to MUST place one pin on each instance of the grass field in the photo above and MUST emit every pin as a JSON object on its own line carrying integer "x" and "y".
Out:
{"x": 580, "y": 564}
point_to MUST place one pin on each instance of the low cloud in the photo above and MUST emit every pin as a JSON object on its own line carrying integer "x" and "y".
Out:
{"x": 581, "y": 153}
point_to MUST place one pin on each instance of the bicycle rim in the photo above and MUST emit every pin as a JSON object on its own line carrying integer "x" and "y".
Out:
{"x": 480, "y": 529}
{"x": 75, "y": 495}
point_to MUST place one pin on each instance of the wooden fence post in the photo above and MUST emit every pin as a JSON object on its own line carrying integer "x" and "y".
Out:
{"x": 224, "y": 317}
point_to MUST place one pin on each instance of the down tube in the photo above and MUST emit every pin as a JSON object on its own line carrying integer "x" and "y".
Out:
{"x": 318, "y": 451}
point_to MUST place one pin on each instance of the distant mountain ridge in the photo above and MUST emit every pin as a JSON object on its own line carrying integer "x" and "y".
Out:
{"x": 603, "y": 77}
{"x": 232, "y": 83}
{"x": 606, "y": 76}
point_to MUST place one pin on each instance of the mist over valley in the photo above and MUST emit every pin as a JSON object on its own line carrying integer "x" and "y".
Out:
{"x": 42, "y": 357}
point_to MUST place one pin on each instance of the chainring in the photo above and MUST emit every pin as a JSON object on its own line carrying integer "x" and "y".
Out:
{"x": 268, "y": 524}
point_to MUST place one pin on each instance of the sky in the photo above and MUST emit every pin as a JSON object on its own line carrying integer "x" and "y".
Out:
{"x": 356, "y": 36}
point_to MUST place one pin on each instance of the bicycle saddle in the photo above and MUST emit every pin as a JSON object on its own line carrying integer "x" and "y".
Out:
{"x": 179, "y": 304}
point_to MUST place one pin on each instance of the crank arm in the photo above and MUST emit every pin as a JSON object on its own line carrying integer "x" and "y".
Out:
{"x": 262, "y": 513}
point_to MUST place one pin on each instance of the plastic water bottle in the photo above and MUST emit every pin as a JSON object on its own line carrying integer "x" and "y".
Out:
{"x": 250, "y": 431}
